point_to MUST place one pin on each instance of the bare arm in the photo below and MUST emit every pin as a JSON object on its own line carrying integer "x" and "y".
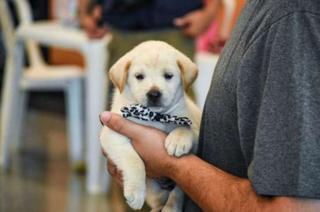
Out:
{"x": 197, "y": 22}
{"x": 215, "y": 190}
{"x": 89, "y": 18}
{"x": 211, "y": 188}
{"x": 83, "y": 6}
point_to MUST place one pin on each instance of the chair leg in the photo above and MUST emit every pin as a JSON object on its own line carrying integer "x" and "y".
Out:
{"x": 10, "y": 102}
{"x": 20, "y": 117}
{"x": 75, "y": 123}
{"x": 8, "y": 128}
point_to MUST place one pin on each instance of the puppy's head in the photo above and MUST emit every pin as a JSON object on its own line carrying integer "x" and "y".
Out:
{"x": 154, "y": 74}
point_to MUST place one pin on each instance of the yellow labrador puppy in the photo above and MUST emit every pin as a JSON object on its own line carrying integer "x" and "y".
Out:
{"x": 157, "y": 76}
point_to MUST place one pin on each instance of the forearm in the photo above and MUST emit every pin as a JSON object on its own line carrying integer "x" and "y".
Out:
{"x": 211, "y": 188}
{"x": 215, "y": 190}
{"x": 83, "y": 6}
{"x": 212, "y": 8}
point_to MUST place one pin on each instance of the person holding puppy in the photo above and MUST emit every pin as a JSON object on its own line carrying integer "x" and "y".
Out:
{"x": 259, "y": 143}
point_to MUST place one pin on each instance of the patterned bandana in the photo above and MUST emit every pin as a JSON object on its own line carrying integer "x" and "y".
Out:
{"x": 145, "y": 114}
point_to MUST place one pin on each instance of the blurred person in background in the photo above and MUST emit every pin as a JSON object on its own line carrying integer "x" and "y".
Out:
{"x": 176, "y": 22}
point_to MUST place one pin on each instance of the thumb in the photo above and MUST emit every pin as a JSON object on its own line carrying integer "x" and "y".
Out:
{"x": 121, "y": 125}
{"x": 180, "y": 22}
{"x": 96, "y": 13}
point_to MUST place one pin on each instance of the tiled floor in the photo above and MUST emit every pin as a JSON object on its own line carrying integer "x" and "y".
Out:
{"x": 40, "y": 178}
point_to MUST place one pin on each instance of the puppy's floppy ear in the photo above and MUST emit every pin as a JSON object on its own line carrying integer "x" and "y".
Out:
{"x": 118, "y": 72}
{"x": 189, "y": 70}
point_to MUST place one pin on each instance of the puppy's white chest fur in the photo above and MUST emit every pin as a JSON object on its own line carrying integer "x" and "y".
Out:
{"x": 167, "y": 128}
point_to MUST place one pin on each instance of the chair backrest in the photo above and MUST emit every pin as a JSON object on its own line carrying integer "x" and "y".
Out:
{"x": 7, "y": 29}
{"x": 24, "y": 11}
{"x": 24, "y": 18}
{"x": 7, "y": 26}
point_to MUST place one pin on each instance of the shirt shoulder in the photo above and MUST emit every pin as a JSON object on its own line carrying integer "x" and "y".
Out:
{"x": 278, "y": 99}
{"x": 270, "y": 13}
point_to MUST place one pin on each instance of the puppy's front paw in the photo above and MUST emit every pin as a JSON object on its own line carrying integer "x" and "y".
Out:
{"x": 135, "y": 196}
{"x": 179, "y": 142}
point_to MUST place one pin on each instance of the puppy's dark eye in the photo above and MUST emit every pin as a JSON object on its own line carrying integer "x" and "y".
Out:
{"x": 139, "y": 76}
{"x": 168, "y": 76}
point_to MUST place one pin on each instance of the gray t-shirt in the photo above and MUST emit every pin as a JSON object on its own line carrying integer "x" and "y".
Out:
{"x": 262, "y": 115}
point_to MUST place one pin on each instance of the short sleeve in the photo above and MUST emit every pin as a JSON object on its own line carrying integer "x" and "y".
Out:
{"x": 279, "y": 107}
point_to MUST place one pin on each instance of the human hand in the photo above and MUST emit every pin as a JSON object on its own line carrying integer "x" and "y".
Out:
{"x": 113, "y": 170}
{"x": 148, "y": 143}
{"x": 194, "y": 23}
{"x": 89, "y": 23}
{"x": 216, "y": 45}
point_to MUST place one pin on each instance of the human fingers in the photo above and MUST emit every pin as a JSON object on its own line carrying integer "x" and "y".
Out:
{"x": 112, "y": 168}
{"x": 185, "y": 24}
{"x": 121, "y": 125}
{"x": 194, "y": 27}
{"x": 181, "y": 22}
{"x": 115, "y": 172}
{"x": 88, "y": 23}
{"x": 97, "y": 33}
{"x": 217, "y": 45}
{"x": 96, "y": 13}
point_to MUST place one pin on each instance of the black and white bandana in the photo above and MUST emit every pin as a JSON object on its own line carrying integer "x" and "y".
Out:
{"x": 145, "y": 114}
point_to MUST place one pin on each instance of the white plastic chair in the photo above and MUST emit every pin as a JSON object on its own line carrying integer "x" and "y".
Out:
{"x": 38, "y": 76}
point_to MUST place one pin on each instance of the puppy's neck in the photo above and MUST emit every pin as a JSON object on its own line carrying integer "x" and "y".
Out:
{"x": 175, "y": 106}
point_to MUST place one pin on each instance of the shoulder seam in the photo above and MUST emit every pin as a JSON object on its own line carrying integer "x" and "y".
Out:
{"x": 276, "y": 21}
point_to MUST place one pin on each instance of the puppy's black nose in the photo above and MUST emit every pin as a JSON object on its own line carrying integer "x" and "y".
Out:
{"x": 154, "y": 96}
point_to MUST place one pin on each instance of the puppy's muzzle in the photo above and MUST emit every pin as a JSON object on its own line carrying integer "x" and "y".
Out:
{"x": 154, "y": 96}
